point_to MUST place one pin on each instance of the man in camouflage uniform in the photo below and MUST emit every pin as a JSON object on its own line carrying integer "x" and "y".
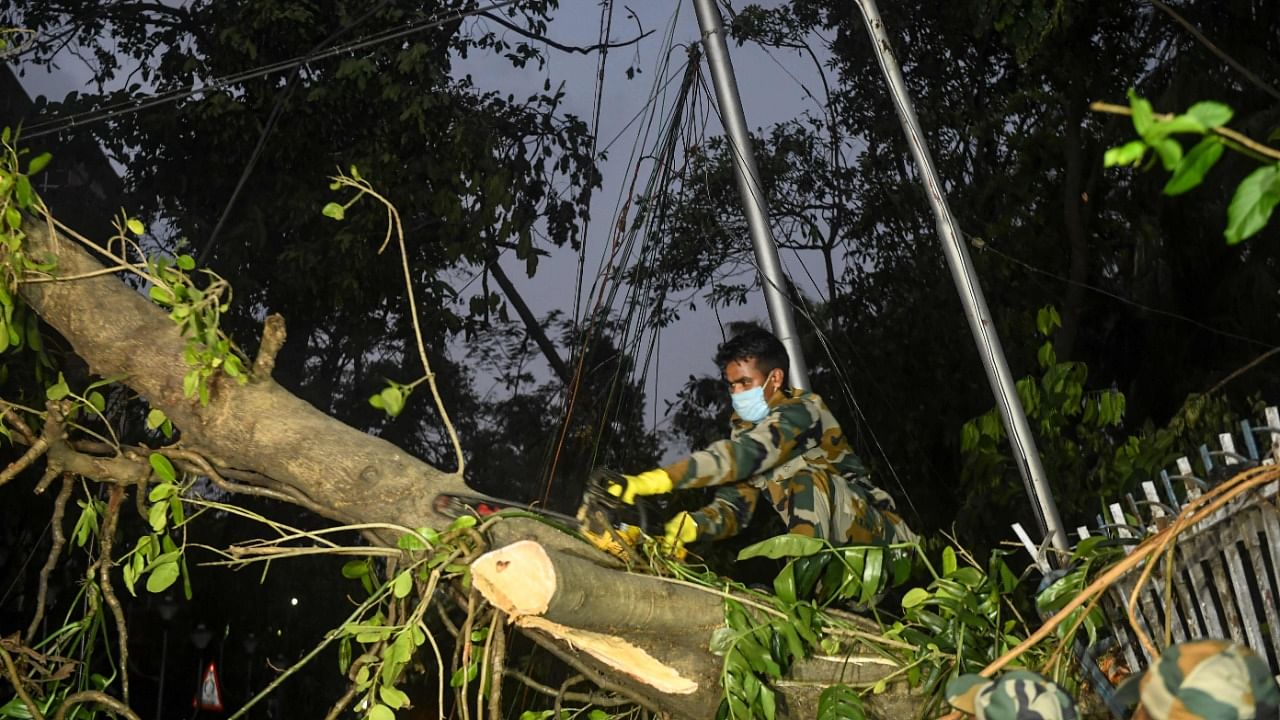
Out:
{"x": 784, "y": 445}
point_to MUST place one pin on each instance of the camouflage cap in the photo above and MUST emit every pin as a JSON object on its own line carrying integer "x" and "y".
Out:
{"x": 1205, "y": 680}
{"x": 1016, "y": 695}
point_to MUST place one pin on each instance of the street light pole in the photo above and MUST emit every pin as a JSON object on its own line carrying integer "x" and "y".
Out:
{"x": 981, "y": 325}
{"x": 750, "y": 189}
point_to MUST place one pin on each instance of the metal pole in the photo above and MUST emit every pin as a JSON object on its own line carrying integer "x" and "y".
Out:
{"x": 753, "y": 200}
{"x": 971, "y": 297}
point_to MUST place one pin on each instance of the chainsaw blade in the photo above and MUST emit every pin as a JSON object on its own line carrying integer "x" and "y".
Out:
{"x": 481, "y": 506}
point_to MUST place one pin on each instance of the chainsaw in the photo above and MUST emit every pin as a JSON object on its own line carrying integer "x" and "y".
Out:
{"x": 603, "y": 519}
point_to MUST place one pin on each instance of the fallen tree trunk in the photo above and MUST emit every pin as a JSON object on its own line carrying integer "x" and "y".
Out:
{"x": 654, "y": 634}
{"x": 642, "y": 635}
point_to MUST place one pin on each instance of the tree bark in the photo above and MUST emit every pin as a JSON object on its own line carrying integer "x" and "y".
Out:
{"x": 653, "y": 635}
{"x": 260, "y": 427}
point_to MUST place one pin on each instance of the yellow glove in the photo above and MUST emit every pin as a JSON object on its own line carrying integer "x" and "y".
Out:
{"x": 653, "y": 482}
{"x": 681, "y": 529}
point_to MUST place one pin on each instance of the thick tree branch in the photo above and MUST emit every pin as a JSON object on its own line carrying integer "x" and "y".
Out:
{"x": 530, "y": 322}
{"x": 273, "y": 336}
{"x": 260, "y": 427}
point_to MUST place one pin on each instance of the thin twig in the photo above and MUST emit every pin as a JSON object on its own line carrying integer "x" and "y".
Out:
{"x": 1242, "y": 370}
{"x": 589, "y": 698}
{"x": 498, "y": 661}
{"x": 1226, "y": 132}
{"x": 14, "y": 419}
{"x": 59, "y": 510}
{"x": 564, "y": 687}
{"x": 465, "y": 648}
{"x": 1249, "y": 74}
{"x": 393, "y": 222}
{"x": 33, "y": 453}
{"x": 93, "y": 696}
{"x": 104, "y": 582}
{"x": 342, "y": 703}
{"x": 16, "y": 679}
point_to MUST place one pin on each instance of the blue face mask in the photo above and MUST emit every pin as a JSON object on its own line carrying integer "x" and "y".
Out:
{"x": 750, "y": 404}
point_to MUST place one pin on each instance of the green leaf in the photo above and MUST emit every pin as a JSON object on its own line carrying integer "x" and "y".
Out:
{"x": 1179, "y": 124}
{"x": 784, "y": 585}
{"x": 409, "y": 541}
{"x": 87, "y": 523}
{"x": 161, "y": 294}
{"x": 392, "y": 400}
{"x": 840, "y": 702}
{"x": 190, "y": 383}
{"x": 948, "y": 561}
{"x": 1131, "y": 153}
{"x": 787, "y": 545}
{"x": 1170, "y": 152}
{"x": 403, "y": 583}
{"x": 968, "y": 576}
{"x": 186, "y": 262}
{"x": 1143, "y": 115}
{"x": 334, "y": 210}
{"x": 1194, "y": 165}
{"x": 353, "y": 569}
{"x": 1251, "y": 207}
{"x": 1210, "y": 114}
{"x": 158, "y": 516}
{"x": 156, "y": 418}
{"x": 1046, "y": 355}
{"x": 914, "y": 597}
{"x": 162, "y": 577}
{"x": 38, "y": 163}
{"x": 58, "y": 390}
{"x": 721, "y": 640}
{"x": 162, "y": 466}
{"x": 465, "y": 521}
{"x": 381, "y": 712}
{"x": 98, "y": 402}
{"x": 135, "y": 226}
{"x": 393, "y": 697}
{"x": 872, "y": 575}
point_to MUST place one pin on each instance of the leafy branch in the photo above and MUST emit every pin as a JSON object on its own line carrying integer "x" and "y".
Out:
{"x": 391, "y": 399}
{"x": 1255, "y": 197}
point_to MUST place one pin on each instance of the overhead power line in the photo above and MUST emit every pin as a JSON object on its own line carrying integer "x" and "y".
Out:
{"x": 59, "y": 124}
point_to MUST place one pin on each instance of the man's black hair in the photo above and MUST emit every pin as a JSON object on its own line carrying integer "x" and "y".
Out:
{"x": 752, "y": 341}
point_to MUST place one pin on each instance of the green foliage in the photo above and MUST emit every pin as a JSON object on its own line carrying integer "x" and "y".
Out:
{"x": 967, "y": 616}
{"x": 19, "y": 326}
{"x": 760, "y": 646}
{"x": 840, "y": 702}
{"x": 1074, "y": 430}
{"x": 197, "y": 309}
{"x": 1088, "y": 558}
{"x": 1255, "y": 197}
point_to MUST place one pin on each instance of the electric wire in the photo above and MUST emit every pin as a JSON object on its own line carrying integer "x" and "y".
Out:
{"x": 133, "y": 105}
{"x": 277, "y": 109}
{"x": 609, "y": 259}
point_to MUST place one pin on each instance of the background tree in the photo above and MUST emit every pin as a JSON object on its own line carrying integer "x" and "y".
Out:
{"x": 1150, "y": 296}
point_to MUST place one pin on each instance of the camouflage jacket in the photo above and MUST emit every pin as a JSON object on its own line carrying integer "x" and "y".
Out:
{"x": 798, "y": 457}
